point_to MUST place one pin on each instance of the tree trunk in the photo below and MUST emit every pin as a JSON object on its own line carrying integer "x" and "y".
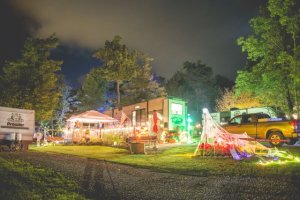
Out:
{"x": 295, "y": 71}
{"x": 289, "y": 101}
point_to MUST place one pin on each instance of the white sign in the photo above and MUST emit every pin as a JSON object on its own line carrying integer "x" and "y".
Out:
{"x": 13, "y": 120}
{"x": 176, "y": 109}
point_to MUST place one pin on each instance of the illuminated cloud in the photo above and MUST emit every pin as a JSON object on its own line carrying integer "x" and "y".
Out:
{"x": 170, "y": 31}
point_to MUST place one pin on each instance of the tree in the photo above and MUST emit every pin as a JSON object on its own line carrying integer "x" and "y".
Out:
{"x": 92, "y": 92}
{"x": 67, "y": 102}
{"x": 223, "y": 82}
{"x": 229, "y": 100}
{"x": 32, "y": 81}
{"x": 178, "y": 86}
{"x": 142, "y": 86}
{"x": 273, "y": 54}
{"x": 119, "y": 64}
{"x": 195, "y": 83}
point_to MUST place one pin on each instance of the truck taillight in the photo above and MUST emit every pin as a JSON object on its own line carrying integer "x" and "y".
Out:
{"x": 293, "y": 123}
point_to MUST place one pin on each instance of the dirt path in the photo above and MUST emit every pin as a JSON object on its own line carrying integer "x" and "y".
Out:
{"x": 104, "y": 180}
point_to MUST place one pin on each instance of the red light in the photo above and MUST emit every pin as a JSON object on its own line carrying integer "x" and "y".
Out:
{"x": 293, "y": 123}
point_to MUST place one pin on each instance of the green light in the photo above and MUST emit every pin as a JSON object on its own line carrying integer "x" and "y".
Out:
{"x": 190, "y": 119}
{"x": 279, "y": 162}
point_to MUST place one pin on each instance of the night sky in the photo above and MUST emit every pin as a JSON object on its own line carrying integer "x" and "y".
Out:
{"x": 170, "y": 31}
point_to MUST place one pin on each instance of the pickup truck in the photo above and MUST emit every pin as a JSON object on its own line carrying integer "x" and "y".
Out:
{"x": 261, "y": 126}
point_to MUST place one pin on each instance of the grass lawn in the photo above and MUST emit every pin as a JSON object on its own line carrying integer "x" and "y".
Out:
{"x": 20, "y": 180}
{"x": 97, "y": 152}
{"x": 180, "y": 160}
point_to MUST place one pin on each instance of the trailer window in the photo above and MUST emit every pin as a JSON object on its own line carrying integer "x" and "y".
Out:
{"x": 139, "y": 117}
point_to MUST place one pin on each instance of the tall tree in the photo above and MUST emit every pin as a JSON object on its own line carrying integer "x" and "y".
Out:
{"x": 196, "y": 84}
{"x": 67, "y": 102}
{"x": 142, "y": 86}
{"x": 92, "y": 92}
{"x": 178, "y": 86}
{"x": 119, "y": 63}
{"x": 32, "y": 81}
{"x": 273, "y": 51}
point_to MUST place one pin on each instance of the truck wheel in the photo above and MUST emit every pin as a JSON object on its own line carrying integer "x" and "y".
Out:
{"x": 292, "y": 141}
{"x": 276, "y": 136}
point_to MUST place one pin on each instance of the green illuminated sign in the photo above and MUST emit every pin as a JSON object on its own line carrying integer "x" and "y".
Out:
{"x": 177, "y": 115}
{"x": 177, "y": 120}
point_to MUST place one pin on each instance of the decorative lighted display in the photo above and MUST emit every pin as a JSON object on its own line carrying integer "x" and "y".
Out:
{"x": 277, "y": 161}
{"x": 217, "y": 141}
{"x": 278, "y": 157}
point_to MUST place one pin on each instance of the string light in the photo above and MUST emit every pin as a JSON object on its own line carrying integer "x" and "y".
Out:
{"x": 216, "y": 140}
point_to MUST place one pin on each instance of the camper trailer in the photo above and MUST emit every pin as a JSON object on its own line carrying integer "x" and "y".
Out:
{"x": 16, "y": 128}
{"x": 171, "y": 114}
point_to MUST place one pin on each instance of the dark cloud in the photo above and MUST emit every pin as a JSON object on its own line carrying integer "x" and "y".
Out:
{"x": 14, "y": 30}
{"x": 171, "y": 31}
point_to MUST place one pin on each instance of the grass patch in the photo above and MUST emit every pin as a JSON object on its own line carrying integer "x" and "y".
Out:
{"x": 96, "y": 152}
{"x": 20, "y": 180}
{"x": 180, "y": 160}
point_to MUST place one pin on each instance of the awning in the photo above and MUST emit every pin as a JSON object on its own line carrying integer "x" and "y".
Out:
{"x": 92, "y": 116}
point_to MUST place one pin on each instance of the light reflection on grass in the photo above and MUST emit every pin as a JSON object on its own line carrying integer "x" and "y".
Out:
{"x": 180, "y": 160}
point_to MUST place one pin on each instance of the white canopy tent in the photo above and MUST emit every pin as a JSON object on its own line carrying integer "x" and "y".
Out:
{"x": 87, "y": 125}
{"x": 92, "y": 116}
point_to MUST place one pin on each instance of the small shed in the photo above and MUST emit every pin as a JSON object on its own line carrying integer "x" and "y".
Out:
{"x": 87, "y": 125}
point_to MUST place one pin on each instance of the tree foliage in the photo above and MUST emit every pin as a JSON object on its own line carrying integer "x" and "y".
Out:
{"x": 228, "y": 99}
{"x": 119, "y": 63}
{"x": 67, "y": 103}
{"x": 32, "y": 81}
{"x": 273, "y": 54}
{"x": 92, "y": 92}
{"x": 223, "y": 83}
{"x": 194, "y": 83}
{"x": 142, "y": 86}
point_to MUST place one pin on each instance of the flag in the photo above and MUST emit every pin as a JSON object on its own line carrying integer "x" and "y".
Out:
{"x": 155, "y": 118}
{"x": 124, "y": 118}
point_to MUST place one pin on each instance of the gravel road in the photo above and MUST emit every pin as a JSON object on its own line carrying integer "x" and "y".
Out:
{"x": 105, "y": 180}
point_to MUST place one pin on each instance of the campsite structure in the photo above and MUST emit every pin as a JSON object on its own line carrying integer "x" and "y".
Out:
{"x": 87, "y": 125}
{"x": 159, "y": 116}
{"x": 161, "y": 119}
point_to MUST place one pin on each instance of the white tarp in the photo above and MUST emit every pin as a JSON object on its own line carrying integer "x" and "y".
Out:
{"x": 92, "y": 116}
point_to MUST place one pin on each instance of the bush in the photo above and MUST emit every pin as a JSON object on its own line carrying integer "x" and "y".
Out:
{"x": 112, "y": 139}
